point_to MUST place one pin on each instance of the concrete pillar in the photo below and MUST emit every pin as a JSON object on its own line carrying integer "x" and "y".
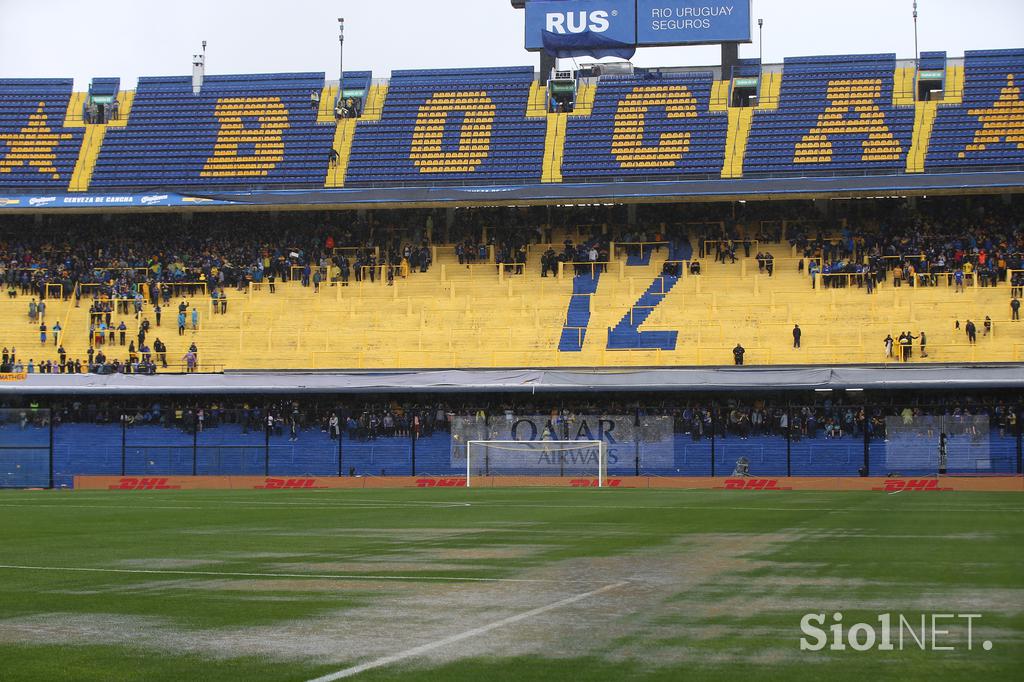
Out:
{"x": 449, "y": 222}
{"x": 730, "y": 58}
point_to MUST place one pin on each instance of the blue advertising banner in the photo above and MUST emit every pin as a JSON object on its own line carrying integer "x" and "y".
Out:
{"x": 692, "y": 22}
{"x": 609, "y": 20}
{"x": 105, "y": 201}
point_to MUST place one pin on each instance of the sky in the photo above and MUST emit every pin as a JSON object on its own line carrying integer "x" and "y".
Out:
{"x": 129, "y": 38}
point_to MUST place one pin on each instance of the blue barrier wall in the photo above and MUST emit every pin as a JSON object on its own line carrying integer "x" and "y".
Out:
{"x": 227, "y": 449}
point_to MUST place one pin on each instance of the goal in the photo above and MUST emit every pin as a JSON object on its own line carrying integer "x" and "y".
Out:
{"x": 541, "y": 459}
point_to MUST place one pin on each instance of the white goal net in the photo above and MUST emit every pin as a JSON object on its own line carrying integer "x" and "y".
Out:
{"x": 540, "y": 459}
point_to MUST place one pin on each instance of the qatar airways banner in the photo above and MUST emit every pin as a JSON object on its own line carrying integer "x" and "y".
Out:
{"x": 626, "y": 437}
{"x": 692, "y": 22}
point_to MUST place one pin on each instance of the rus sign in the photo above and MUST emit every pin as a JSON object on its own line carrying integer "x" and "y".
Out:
{"x": 612, "y": 19}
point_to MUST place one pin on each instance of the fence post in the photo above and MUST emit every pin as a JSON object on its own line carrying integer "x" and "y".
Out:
{"x": 266, "y": 451}
{"x": 339, "y": 449}
{"x": 789, "y": 439}
{"x": 50, "y": 410}
{"x": 195, "y": 444}
{"x": 412, "y": 436}
{"x": 713, "y": 442}
{"x": 124, "y": 438}
{"x": 1019, "y": 470}
{"x": 867, "y": 439}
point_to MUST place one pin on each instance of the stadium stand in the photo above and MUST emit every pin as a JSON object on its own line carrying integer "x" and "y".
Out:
{"x": 36, "y": 151}
{"x": 451, "y": 125}
{"x": 812, "y": 115}
{"x": 665, "y": 125}
{"x": 834, "y": 113}
{"x": 511, "y": 296}
{"x": 987, "y": 128}
{"x": 240, "y": 130}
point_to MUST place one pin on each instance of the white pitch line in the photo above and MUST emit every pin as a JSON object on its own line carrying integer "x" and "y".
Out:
{"x": 436, "y": 644}
{"x": 100, "y": 506}
{"x": 354, "y": 504}
{"x": 329, "y": 576}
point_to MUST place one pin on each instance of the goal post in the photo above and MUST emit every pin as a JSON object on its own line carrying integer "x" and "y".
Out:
{"x": 544, "y": 458}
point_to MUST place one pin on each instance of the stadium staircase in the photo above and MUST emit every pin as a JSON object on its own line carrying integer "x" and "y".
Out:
{"x": 904, "y": 86}
{"x": 537, "y": 106}
{"x": 554, "y": 147}
{"x": 736, "y": 141}
{"x": 87, "y": 155}
{"x": 343, "y": 146}
{"x": 95, "y": 133}
{"x": 374, "y": 108}
{"x": 924, "y": 120}
{"x": 771, "y": 87}
{"x": 325, "y": 114}
{"x": 585, "y": 94}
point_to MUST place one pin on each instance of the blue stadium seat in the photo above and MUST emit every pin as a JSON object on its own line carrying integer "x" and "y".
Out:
{"x": 36, "y": 152}
{"x": 618, "y": 139}
{"x": 801, "y": 126}
{"x": 172, "y": 134}
{"x": 451, "y": 126}
{"x": 955, "y": 141}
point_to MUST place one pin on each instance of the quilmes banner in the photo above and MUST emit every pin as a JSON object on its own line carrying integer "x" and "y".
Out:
{"x": 692, "y": 22}
{"x": 604, "y": 20}
{"x": 105, "y": 201}
{"x": 650, "y": 437}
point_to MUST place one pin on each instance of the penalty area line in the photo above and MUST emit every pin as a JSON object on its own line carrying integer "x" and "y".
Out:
{"x": 452, "y": 639}
{"x": 314, "y": 576}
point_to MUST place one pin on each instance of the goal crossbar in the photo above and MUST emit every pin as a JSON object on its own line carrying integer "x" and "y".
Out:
{"x": 545, "y": 446}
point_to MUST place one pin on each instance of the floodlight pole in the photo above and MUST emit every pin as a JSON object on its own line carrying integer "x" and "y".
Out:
{"x": 917, "y": 55}
{"x": 760, "y": 42}
{"x": 341, "y": 60}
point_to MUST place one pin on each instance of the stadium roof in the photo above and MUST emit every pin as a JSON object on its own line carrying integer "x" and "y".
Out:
{"x": 702, "y": 379}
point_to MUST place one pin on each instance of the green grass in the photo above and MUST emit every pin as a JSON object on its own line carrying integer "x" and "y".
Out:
{"x": 254, "y": 586}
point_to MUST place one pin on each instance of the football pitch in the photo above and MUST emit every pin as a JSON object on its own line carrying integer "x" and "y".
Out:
{"x": 509, "y": 584}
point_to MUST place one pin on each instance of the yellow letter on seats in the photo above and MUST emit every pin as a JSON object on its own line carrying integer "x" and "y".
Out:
{"x": 267, "y": 139}
{"x": 862, "y": 96}
{"x": 474, "y": 133}
{"x": 631, "y": 121}
{"x": 34, "y": 145}
{"x": 1005, "y": 120}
